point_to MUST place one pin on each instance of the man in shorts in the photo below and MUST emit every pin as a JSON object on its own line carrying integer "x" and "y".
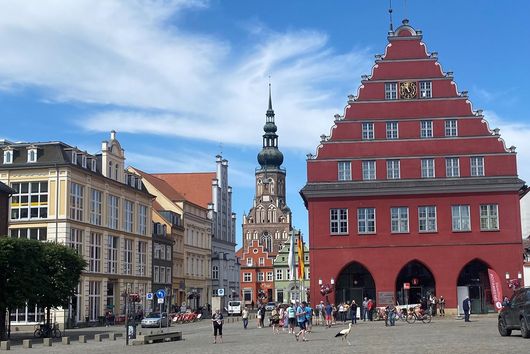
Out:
{"x": 328, "y": 309}
{"x": 302, "y": 320}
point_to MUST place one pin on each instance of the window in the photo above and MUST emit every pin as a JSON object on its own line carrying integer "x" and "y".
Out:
{"x": 157, "y": 251}
{"x": 8, "y": 156}
{"x": 168, "y": 253}
{"x": 32, "y": 155}
{"x": 450, "y": 127}
{"x": 247, "y": 277}
{"x": 261, "y": 276}
{"x": 215, "y": 272}
{"x": 391, "y": 91}
{"x": 392, "y": 169}
{"x": 76, "y": 201}
{"x": 75, "y": 240}
{"x": 30, "y": 200}
{"x": 477, "y": 166}
{"x": 249, "y": 262}
{"x": 426, "y": 129}
{"x": 425, "y": 89}
{"x": 399, "y": 219}
{"x": 83, "y": 161}
{"x": 344, "y": 170}
{"x": 279, "y": 274}
{"x": 247, "y": 295}
{"x": 112, "y": 254}
{"x": 368, "y": 170}
{"x": 270, "y": 276}
{"x": 142, "y": 257}
{"x": 168, "y": 275}
{"x": 338, "y": 220}
{"x": 452, "y": 168}
{"x": 427, "y": 168}
{"x": 93, "y": 165}
{"x": 128, "y": 216}
{"x": 39, "y": 234}
{"x": 94, "y": 300}
{"x": 112, "y": 211}
{"x": 127, "y": 256}
{"x": 392, "y": 130}
{"x": 142, "y": 220}
{"x": 366, "y": 220}
{"x": 96, "y": 206}
{"x": 162, "y": 277}
{"x": 489, "y": 217}
{"x": 94, "y": 264}
{"x": 460, "y": 217}
{"x": 261, "y": 261}
{"x": 74, "y": 157}
{"x": 156, "y": 274}
{"x": 427, "y": 218}
{"x": 367, "y": 131}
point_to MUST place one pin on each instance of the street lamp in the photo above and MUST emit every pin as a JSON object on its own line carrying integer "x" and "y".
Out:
{"x": 326, "y": 289}
{"x": 514, "y": 283}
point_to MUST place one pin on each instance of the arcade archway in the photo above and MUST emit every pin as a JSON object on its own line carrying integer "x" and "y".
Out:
{"x": 473, "y": 281}
{"x": 354, "y": 283}
{"x": 413, "y": 282}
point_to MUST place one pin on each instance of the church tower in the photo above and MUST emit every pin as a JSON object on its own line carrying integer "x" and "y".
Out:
{"x": 269, "y": 220}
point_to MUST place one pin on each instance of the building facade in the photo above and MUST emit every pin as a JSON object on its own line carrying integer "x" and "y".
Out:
{"x": 412, "y": 193}
{"x": 257, "y": 277}
{"x": 90, "y": 203}
{"x": 197, "y": 237}
{"x": 285, "y": 288}
{"x": 162, "y": 256}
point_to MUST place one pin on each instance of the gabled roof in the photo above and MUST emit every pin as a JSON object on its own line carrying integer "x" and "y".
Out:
{"x": 161, "y": 185}
{"x": 195, "y": 187}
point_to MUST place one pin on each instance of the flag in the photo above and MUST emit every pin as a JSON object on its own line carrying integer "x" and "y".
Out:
{"x": 290, "y": 260}
{"x": 301, "y": 268}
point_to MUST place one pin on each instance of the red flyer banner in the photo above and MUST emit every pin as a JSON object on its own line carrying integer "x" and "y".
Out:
{"x": 496, "y": 288}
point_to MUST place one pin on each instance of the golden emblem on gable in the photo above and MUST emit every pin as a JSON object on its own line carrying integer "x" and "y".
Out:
{"x": 407, "y": 90}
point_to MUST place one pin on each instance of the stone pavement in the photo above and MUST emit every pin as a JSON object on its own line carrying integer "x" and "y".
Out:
{"x": 441, "y": 336}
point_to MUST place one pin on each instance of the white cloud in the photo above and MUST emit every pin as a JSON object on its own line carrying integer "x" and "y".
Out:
{"x": 158, "y": 78}
{"x": 516, "y": 134}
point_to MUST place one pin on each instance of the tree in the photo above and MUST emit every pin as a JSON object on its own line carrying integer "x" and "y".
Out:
{"x": 36, "y": 273}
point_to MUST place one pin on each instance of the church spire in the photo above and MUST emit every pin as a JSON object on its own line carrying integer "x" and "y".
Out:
{"x": 270, "y": 156}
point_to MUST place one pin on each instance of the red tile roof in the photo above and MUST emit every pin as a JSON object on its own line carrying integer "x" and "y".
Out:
{"x": 195, "y": 187}
{"x": 161, "y": 185}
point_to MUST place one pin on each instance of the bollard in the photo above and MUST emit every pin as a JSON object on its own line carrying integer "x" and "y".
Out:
{"x": 47, "y": 342}
{"x": 97, "y": 338}
{"x": 26, "y": 343}
{"x": 65, "y": 340}
{"x": 112, "y": 336}
{"x": 5, "y": 345}
{"x": 82, "y": 339}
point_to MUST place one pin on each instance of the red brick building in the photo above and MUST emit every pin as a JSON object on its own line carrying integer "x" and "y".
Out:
{"x": 257, "y": 278}
{"x": 412, "y": 193}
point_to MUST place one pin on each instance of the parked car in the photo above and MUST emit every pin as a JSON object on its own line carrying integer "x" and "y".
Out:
{"x": 516, "y": 315}
{"x": 153, "y": 320}
{"x": 270, "y": 306}
{"x": 234, "y": 308}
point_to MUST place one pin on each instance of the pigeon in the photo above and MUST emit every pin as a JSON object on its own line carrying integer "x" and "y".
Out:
{"x": 344, "y": 334}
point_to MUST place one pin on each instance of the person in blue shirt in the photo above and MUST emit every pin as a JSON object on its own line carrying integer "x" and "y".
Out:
{"x": 329, "y": 311}
{"x": 301, "y": 319}
{"x": 309, "y": 317}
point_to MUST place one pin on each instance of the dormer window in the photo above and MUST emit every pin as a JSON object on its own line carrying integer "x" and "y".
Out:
{"x": 74, "y": 157}
{"x": 93, "y": 164}
{"x": 8, "y": 156}
{"x": 32, "y": 155}
{"x": 83, "y": 161}
{"x": 139, "y": 184}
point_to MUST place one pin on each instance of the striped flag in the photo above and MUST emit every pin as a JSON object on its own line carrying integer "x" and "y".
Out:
{"x": 290, "y": 260}
{"x": 301, "y": 268}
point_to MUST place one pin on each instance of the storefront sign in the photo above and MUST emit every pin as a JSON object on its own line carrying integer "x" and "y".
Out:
{"x": 385, "y": 298}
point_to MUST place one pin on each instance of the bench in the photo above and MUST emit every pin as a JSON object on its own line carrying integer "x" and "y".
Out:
{"x": 157, "y": 338}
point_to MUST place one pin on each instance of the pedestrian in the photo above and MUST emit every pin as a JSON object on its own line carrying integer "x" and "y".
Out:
{"x": 217, "y": 320}
{"x": 275, "y": 320}
{"x": 262, "y": 316}
{"x": 333, "y": 314}
{"x": 252, "y": 305}
{"x": 466, "y": 306}
{"x": 309, "y": 317}
{"x": 321, "y": 311}
{"x": 353, "y": 312}
{"x": 301, "y": 319}
{"x": 364, "y": 309}
{"x": 370, "y": 308}
{"x": 434, "y": 304}
{"x": 291, "y": 317}
{"x": 329, "y": 311}
{"x": 505, "y": 302}
{"x": 391, "y": 314}
{"x": 441, "y": 305}
{"x": 244, "y": 317}
{"x": 258, "y": 316}
{"x": 341, "y": 313}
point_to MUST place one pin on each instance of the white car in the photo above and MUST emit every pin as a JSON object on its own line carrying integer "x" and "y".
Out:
{"x": 153, "y": 320}
{"x": 270, "y": 306}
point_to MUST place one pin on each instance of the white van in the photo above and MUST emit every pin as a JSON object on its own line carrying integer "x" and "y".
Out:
{"x": 234, "y": 308}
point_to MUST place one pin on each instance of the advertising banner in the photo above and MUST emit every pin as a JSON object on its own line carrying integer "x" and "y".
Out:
{"x": 496, "y": 289}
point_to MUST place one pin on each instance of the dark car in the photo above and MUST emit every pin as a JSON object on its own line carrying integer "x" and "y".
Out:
{"x": 516, "y": 315}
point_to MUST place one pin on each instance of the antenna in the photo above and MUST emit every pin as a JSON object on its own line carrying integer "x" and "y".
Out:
{"x": 405, "y": 8}
{"x": 390, "y": 15}
{"x": 221, "y": 148}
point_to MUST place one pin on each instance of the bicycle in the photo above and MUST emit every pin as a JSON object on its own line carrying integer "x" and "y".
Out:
{"x": 46, "y": 331}
{"x": 422, "y": 316}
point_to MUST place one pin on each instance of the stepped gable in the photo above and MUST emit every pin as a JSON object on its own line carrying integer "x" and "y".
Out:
{"x": 406, "y": 61}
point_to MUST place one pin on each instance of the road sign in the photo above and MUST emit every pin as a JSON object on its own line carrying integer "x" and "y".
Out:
{"x": 160, "y": 300}
{"x": 149, "y": 296}
{"x": 160, "y": 293}
{"x": 221, "y": 292}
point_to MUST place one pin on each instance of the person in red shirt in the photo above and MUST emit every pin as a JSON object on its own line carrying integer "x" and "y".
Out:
{"x": 370, "y": 307}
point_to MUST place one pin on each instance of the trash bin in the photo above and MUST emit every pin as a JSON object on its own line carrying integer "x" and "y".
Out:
{"x": 131, "y": 331}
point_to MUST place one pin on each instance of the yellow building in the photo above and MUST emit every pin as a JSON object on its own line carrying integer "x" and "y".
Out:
{"x": 197, "y": 238}
{"x": 90, "y": 203}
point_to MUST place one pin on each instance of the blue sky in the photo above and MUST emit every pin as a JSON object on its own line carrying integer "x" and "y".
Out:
{"x": 184, "y": 80}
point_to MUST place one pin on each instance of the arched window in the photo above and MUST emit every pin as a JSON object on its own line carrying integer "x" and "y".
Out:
{"x": 266, "y": 241}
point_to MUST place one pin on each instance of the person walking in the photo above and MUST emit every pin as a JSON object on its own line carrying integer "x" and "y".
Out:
{"x": 275, "y": 320}
{"x": 301, "y": 319}
{"x": 244, "y": 317}
{"x": 392, "y": 314}
{"x": 309, "y": 317}
{"x": 291, "y": 317}
{"x": 441, "y": 305}
{"x": 262, "y": 316}
{"x": 217, "y": 320}
{"x": 341, "y": 313}
{"x": 369, "y": 308}
{"x": 466, "y": 306}
{"x": 364, "y": 309}
{"x": 353, "y": 312}
{"x": 329, "y": 311}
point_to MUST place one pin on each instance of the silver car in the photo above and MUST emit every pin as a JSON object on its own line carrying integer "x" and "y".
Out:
{"x": 153, "y": 320}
